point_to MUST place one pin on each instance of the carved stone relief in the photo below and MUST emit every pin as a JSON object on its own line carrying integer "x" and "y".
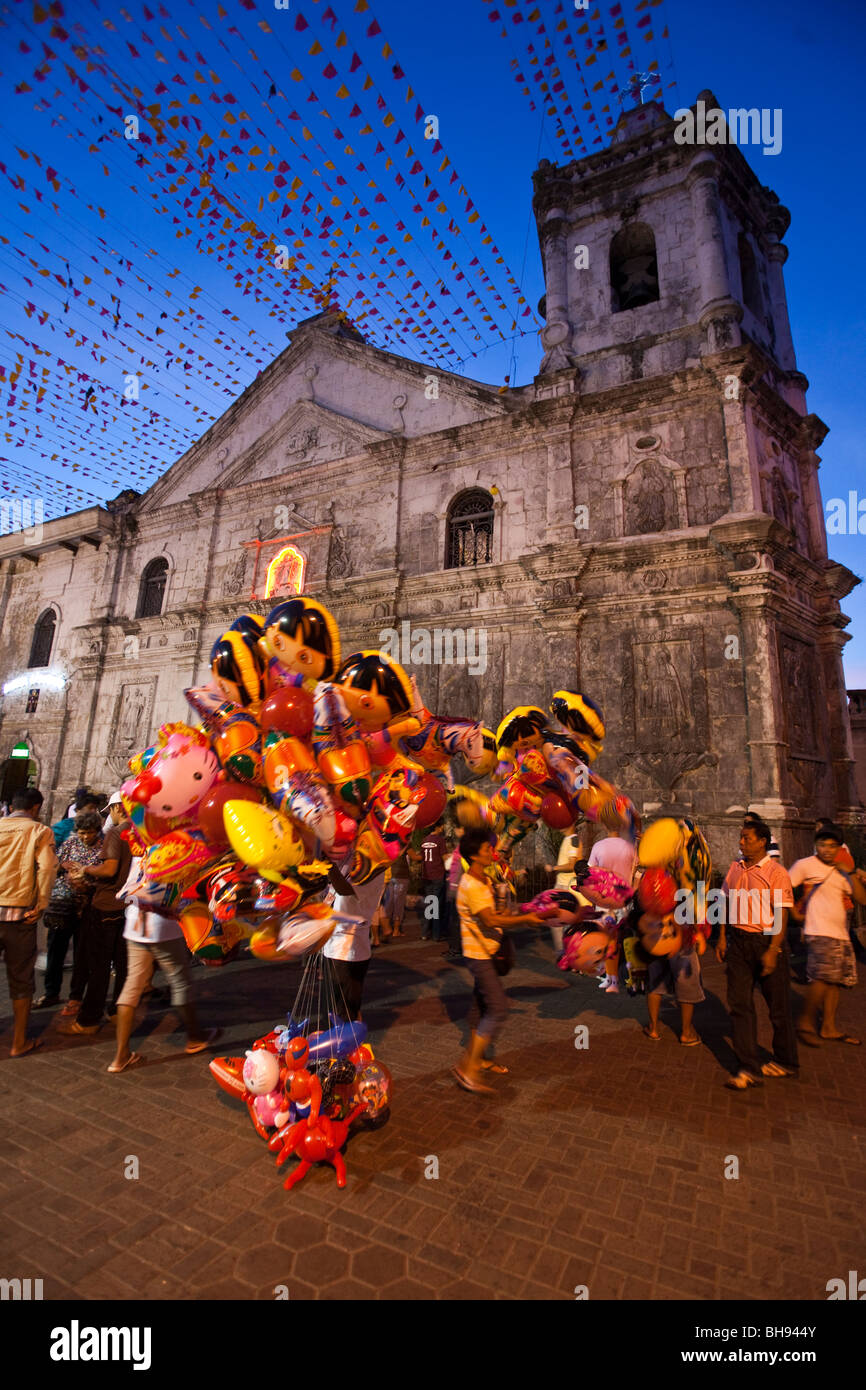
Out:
{"x": 799, "y": 681}
{"x": 131, "y": 726}
{"x": 339, "y": 559}
{"x": 664, "y": 693}
{"x": 234, "y": 581}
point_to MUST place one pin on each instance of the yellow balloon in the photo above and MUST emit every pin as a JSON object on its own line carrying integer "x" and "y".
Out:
{"x": 660, "y": 843}
{"x": 261, "y": 837}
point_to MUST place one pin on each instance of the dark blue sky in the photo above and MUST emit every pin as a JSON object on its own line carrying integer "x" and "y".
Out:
{"x": 804, "y": 59}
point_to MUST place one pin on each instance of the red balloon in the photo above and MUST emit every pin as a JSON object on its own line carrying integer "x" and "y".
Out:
{"x": 431, "y": 801}
{"x": 657, "y": 892}
{"x": 288, "y": 710}
{"x": 555, "y": 813}
{"x": 210, "y": 811}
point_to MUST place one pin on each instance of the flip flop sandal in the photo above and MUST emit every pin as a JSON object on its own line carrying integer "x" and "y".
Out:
{"x": 191, "y": 1048}
{"x": 70, "y": 1009}
{"x": 846, "y": 1038}
{"x": 808, "y": 1039}
{"x": 78, "y": 1030}
{"x": 743, "y": 1081}
{"x": 468, "y": 1085}
{"x": 653, "y": 1037}
{"x": 132, "y": 1060}
{"x": 690, "y": 1042}
{"x": 776, "y": 1069}
{"x": 496, "y": 1067}
{"x": 33, "y": 1046}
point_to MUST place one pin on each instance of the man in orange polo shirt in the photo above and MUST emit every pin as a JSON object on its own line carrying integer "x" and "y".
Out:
{"x": 758, "y": 896}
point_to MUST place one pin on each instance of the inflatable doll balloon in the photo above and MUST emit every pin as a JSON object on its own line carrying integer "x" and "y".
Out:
{"x": 522, "y": 728}
{"x": 174, "y": 781}
{"x": 261, "y": 1072}
{"x": 234, "y": 732}
{"x": 238, "y": 663}
{"x": 375, "y": 689}
{"x": 302, "y": 641}
{"x": 584, "y": 952}
{"x": 583, "y": 718}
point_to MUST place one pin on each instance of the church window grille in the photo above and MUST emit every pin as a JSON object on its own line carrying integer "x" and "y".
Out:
{"x": 470, "y": 529}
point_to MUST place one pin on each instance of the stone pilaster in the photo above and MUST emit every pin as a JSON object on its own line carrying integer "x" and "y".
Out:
{"x": 720, "y": 312}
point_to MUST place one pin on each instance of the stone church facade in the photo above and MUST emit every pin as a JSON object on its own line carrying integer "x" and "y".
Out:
{"x": 643, "y": 521}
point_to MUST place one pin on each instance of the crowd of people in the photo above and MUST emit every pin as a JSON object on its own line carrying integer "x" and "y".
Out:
{"x": 74, "y": 876}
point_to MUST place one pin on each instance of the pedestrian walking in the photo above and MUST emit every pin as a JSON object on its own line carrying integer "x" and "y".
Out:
{"x": 28, "y": 866}
{"x": 102, "y": 936}
{"x": 395, "y": 897}
{"x": 455, "y": 870}
{"x": 830, "y": 894}
{"x": 680, "y": 975}
{"x": 151, "y": 939}
{"x": 753, "y": 949}
{"x": 482, "y": 934}
{"x": 70, "y": 899}
{"x": 348, "y": 947}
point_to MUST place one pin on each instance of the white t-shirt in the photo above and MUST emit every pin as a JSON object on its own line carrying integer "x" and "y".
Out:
{"x": 616, "y": 854}
{"x": 146, "y": 926}
{"x": 826, "y": 912}
{"x": 569, "y": 853}
{"x": 350, "y": 941}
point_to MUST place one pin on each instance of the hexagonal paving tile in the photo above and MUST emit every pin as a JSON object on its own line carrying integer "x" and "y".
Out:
{"x": 378, "y": 1265}
{"x": 322, "y": 1264}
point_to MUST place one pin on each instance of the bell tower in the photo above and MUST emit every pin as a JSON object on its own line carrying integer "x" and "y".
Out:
{"x": 657, "y": 254}
{"x": 711, "y": 613}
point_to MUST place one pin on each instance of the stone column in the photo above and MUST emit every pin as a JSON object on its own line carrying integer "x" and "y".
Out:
{"x": 756, "y": 603}
{"x": 556, "y": 334}
{"x": 831, "y": 642}
{"x": 777, "y": 255}
{"x": 720, "y": 312}
{"x": 812, "y": 432}
{"x": 560, "y": 492}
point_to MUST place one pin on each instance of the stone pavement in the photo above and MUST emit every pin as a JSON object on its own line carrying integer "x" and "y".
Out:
{"x": 602, "y": 1167}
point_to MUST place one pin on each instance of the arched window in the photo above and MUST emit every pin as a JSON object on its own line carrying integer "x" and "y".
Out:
{"x": 751, "y": 282}
{"x": 470, "y": 529}
{"x": 43, "y": 639}
{"x": 634, "y": 272}
{"x": 152, "y": 590}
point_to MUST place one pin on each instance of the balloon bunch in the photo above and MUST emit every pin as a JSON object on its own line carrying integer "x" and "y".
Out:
{"x": 640, "y": 921}
{"x": 545, "y": 774}
{"x": 304, "y": 761}
{"x": 305, "y": 1087}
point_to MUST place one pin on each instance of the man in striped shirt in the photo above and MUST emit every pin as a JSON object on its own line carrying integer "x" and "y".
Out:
{"x": 758, "y": 896}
